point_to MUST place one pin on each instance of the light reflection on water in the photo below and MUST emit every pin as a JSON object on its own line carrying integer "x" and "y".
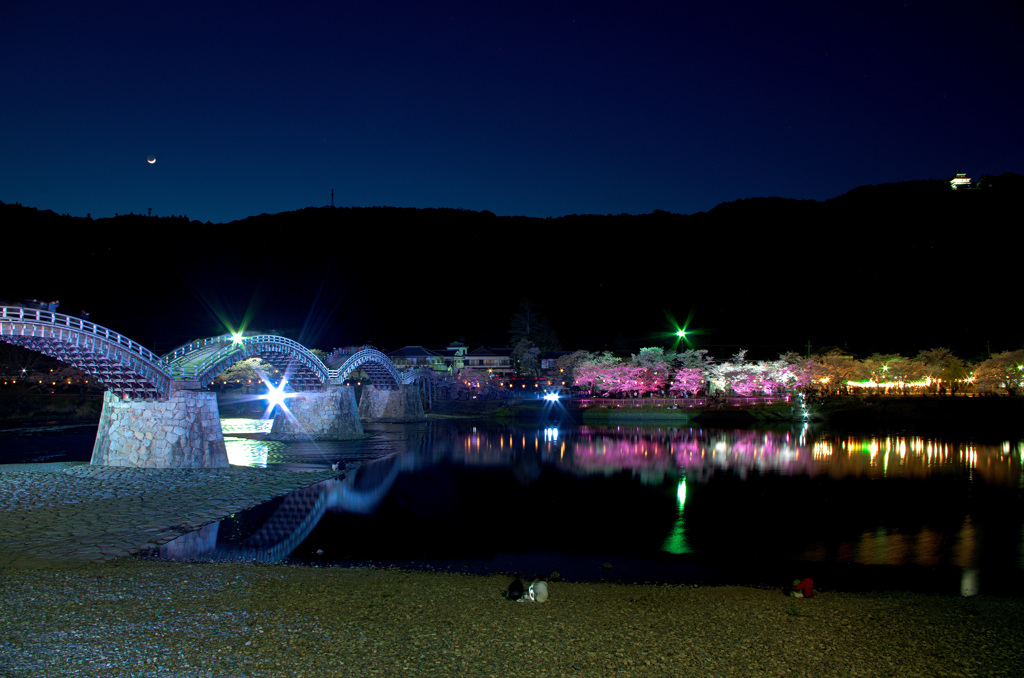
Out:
{"x": 702, "y": 452}
{"x": 247, "y": 451}
{"x": 778, "y": 496}
{"x": 244, "y": 425}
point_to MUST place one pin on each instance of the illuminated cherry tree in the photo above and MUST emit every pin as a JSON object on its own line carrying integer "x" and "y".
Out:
{"x": 1002, "y": 370}
{"x": 687, "y": 382}
{"x": 596, "y": 373}
{"x": 625, "y": 379}
{"x": 736, "y": 374}
{"x": 647, "y": 372}
{"x": 691, "y": 374}
{"x": 786, "y": 375}
{"x": 830, "y": 371}
{"x": 759, "y": 377}
{"x": 944, "y": 370}
{"x": 653, "y": 370}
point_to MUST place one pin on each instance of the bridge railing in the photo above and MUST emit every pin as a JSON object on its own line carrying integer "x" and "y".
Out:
{"x": 193, "y": 371}
{"x": 54, "y": 319}
{"x": 184, "y": 350}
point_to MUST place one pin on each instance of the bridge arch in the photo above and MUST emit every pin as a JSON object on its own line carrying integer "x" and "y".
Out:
{"x": 204, "y": 359}
{"x": 378, "y": 367}
{"x": 123, "y": 366}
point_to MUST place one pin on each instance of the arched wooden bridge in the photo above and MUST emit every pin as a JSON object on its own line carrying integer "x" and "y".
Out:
{"x": 130, "y": 370}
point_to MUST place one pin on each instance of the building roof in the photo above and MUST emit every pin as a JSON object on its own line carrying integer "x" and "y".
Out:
{"x": 485, "y": 350}
{"x": 414, "y": 352}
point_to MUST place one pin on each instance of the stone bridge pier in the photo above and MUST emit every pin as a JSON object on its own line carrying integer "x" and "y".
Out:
{"x": 180, "y": 432}
{"x": 319, "y": 415}
{"x": 384, "y": 405}
{"x": 184, "y": 430}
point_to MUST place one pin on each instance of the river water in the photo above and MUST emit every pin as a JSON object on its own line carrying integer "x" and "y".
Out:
{"x": 633, "y": 503}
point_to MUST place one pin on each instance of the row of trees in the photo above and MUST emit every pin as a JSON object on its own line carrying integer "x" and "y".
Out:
{"x": 685, "y": 374}
{"x": 657, "y": 371}
{"x": 691, "y": 372}
{"x": 694, "y": 372}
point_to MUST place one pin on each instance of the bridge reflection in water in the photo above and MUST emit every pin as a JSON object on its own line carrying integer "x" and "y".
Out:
{"x": 657, "y": 502}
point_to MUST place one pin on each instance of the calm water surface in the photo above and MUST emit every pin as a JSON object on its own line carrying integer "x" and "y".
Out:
{"x": 630, "y": 503}
{"x": 648, "y": 503}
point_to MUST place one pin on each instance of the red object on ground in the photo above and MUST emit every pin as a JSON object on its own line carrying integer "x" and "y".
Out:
{"x": 806, "y": 587}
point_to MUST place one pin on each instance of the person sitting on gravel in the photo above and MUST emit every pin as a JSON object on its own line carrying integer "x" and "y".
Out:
{"x": 802, "y": 588}
{"x": 536, "y": 593}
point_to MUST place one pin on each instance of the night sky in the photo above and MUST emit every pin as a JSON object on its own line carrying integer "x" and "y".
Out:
{"x": 526, "y": 108}
{"x": 522, "y": 109}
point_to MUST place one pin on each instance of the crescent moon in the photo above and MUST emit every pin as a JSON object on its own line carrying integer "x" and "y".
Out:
{"x": 151, "y": 159}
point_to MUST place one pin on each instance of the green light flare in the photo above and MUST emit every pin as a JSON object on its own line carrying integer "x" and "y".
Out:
{"x": 237, "y": 334}
{"x": 683, "y": 335}
{"x": 682, "y": 332}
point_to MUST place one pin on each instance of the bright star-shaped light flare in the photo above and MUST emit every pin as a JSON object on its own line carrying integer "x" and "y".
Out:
{"x": 276, "y": 395}
{"x": 682, "y": 333}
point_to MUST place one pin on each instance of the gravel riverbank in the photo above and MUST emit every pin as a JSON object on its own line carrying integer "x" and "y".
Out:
{"x": 75, "y": 512}
{"x": 74, "y": 602}
{"x": 132, "y": 617}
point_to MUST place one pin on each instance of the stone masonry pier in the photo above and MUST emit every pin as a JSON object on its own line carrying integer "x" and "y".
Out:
{"x": 180, "y": 432}
{"x": 323, "y": 415}
{"x": 382, "y": 405}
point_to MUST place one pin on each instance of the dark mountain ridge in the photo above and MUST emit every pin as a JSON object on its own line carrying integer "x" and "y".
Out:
{"x": 899, "y": 266}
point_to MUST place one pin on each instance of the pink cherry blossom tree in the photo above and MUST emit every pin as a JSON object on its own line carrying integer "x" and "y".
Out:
{"x": 653, "y": 371}
{"x": 687, "y": 381}
{"x": 597, "y": 373}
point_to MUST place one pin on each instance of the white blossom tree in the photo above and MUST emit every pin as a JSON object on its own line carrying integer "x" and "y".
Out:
{"x": 1002, "y": 370}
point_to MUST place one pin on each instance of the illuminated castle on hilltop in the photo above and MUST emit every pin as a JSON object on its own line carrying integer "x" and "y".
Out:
{"x": 960, "y": 182}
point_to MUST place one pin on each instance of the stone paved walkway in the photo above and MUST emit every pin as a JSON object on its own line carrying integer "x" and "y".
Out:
{"x": 73, "y": 512}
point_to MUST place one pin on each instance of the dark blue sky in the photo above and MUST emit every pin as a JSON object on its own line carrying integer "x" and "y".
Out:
{"x": 525, "y": 108}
